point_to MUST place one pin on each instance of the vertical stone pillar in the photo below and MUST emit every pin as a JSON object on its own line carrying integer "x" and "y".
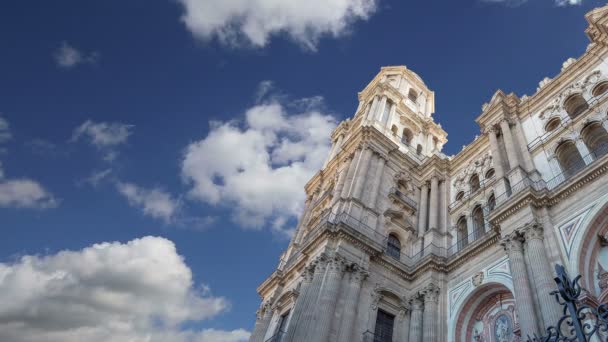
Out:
{"x": 351, "y": 303}
{"x": 521, "y": 285}
{"x": 431, "y": 313}
{"x": 416, "y": 319}
{"x": 380, "y": 110}
{"x": 443, "y": 208}
{"x": 523, "y": 147}
{"x": 326, "y": 304}
{"x": 557, "y": 172}
{"x": 372, "y": 109}
{"x": 540, "y": 269}
{"x": 374, "y": 191}
{"x": 498, "y": 162}
{"x": 470, "y": 228}
{"x": 306, "y": 322}
{"x": 509, "y": 144}
{"x": 262, "y": 323}
{"x": 424, "y": 192}
{"x": 434, "y": 203}
{"x": 584, "y": 151}
{"x": 429, "y": 143}
{"x": 351, "y": 173}
{"x": 402, "y": 329}
{"x": 298, "y": 308}
{"x": 391, "y": 113}
{"x": 361, "y": 174}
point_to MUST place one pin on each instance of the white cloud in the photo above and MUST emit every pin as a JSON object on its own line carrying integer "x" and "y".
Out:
{"x": 67, "y": 56}
{"x": 155, "y": 203}
{"x": 5, "y": 133}
{"x": 25, "y": 193}
{"x": 96, "y": 177}
{"x": 140, "y": 291}
{"x": 568, "y": 2}
{"x": 106, "y": 136}
{"x": 253, "y": 22}
{"x": 259, "y": 168}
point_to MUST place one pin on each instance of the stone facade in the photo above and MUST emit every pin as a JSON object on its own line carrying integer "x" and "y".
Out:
{"x": 399, "y": 242}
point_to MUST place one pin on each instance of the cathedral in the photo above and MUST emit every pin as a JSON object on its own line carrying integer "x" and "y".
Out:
{"x": 400, "y": 242}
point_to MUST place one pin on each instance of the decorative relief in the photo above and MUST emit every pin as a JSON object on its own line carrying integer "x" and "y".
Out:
{"x": 478, "y": 166}
{"x": 477, "y": 279}
{"x": 568, "y": 231}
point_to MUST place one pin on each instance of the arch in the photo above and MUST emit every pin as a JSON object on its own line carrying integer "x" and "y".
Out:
{"x": 489, "y": 174}
{"x": 600, "y": 88}
{"x": 393, "y": 246}
{"x": 459, "y": 195}
{"x": 575, "y": 105}
{"x": 553, "y": 123}
{"x": 461, "y": 233}
{"x": 491, "y": 202}
{"x": 480, "y": 310}
{"x": 474, "y": 183}
{"x": 407, "y": 136}
{"x": 394, "y": 129}
{"x": 587, "y": 250}
{"x": 478, "y": 221}
{"x": 569, "y": 158}
{"x": 596, "y": 138}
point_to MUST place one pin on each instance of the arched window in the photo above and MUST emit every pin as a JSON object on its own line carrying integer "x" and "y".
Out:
{"x": 478, "y": 221}
{"x": 596, "y": 138}
{"x": 407, "y": 136}
{"x": 393, "y": 247}
{"x": 491, "y": 202}
{"x": 394, "y": 130}
{"x": 474, "y": 183}
{"x": 575, "y": 105}
{"x": 418, "y": 149}
{"x": 412, "y": 95}
{"x": 600, "y": 89}
{"x": 489, "y": 174}
{"x": 569, "y": 158}
{"x": 461, "y": 233}
{"x": 553, "y": 124}
{"x": 459, "y": 195}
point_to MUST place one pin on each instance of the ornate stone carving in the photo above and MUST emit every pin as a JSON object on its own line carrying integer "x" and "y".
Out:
{"x": 477, "y": 279}
{"x": 512, "y": 242}
{"x": 533, "y": 231}
{"x": 603, "y": 239}
{"x": 430, "y": 293}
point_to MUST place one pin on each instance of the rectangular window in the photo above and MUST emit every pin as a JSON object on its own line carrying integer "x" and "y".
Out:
{"x": 281, "y": 328}
{"x": 384, "y": 327}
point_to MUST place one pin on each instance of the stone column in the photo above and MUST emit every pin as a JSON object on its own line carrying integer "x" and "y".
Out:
{"x": 443, "y": 212}
{"x": 429, "y": 143}
{"x": 431, "y": 298}
{"x": 434, "y": 203}
{"x": 306, "y": 323}
{"x": 521, "y": 285}
{"x": 351, "y": 173}
{"x": 261, "y": 325}
{"x": 416, "y": 319}
{"x": 584, "y": 151}
{"x": 326, "y": 304}
{"x": 391, "y": 113}
{"x": 402, "y": 328}
{"x": 540, "y": 269}
{"x": 298, "y": 309}
{"x": 509, "y": 144}
{"x": 498, "y": 163}
{"x": 361, "y": 174}
{"x": 523, "y": 146}
{"x": 372, "y": 109}
{"x": 374, "y": 191}
{"x": 470, "y": 228}
{"x": 424, "y": 192}
{"x": 351, "y": 303}
{"x": 380, "y": 110}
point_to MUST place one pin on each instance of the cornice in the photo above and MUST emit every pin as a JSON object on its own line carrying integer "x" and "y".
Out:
{"x": 476, "y": 148}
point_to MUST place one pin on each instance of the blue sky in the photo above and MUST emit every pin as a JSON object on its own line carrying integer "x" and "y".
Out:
{"x": 198, "y": 122}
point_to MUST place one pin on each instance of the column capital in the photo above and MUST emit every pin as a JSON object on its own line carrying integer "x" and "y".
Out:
{"x": 357, "y": 273}
{"x": 532, "y": 231}
{"x": 335, "y": 264}
{"x": 403, "y": 310}
{"x": 308, "y": 273}
{"x": 430, "y": 293}
{"x": 415, "y": 302}
{"x": 512, "y": 243}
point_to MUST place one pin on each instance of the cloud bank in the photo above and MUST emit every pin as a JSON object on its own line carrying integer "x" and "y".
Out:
{"x": 253, "y": 22}
{"x": 258, "y": 167}
{"x": 136, "y": 291}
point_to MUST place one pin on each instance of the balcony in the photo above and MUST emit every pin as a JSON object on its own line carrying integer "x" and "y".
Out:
{"x": 395, "y": 193}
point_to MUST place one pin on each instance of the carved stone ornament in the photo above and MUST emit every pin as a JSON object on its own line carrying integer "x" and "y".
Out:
{"x": 477, "y": 279}
{"x": 603, "y": 239}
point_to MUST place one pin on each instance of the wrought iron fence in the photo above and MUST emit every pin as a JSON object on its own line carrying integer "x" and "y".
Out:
{"x": 580, "y": 322}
